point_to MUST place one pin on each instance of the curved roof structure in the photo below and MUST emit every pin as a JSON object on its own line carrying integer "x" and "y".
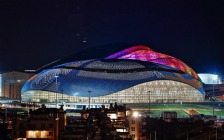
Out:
{"x": 144, "y": 53}
{"x": 112, "y": 73}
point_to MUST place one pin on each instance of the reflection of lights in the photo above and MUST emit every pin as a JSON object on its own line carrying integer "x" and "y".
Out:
{"x": 143, "y": 53}
{"x": 75, "y": 94}
{"x": 113, "y": 116}
{"x": 214, "y": 77}
{"x": 37, "y": 134}
{"x": 209, "y": 78}
{"x": 136, "y": 114}
{"x": 121, "y": 130}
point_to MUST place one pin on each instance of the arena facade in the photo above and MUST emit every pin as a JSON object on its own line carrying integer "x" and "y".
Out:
{"x": 122, "y": 74}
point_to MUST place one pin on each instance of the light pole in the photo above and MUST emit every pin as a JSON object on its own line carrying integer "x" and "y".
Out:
{"x": 149, "y": 103}
{"x": 62, "y": 97}
{"x": 213, "y": 94}
{"x": 89, "y": 98}
{"x": 213, "y": 109}
{"x": 56, "y": 86}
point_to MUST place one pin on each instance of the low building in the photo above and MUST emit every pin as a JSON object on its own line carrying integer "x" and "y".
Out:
{"x": 43, "y": 123}
{"x": 98, "y": 124}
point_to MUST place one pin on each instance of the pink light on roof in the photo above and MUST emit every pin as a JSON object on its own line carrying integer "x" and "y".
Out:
{"x": 144, "y": 53}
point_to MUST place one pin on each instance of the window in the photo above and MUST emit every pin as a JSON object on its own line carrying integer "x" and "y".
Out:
{"x": 132, "y": 121}
{"x": 79, "y": 106}
{"x": 51, "y": 126}
{"x": 132, "y": 128}
{"x": 33, "y": 126}
{"x": 22, "y": 134}
{"x": 42, "y": 126}
{"x": 50, "y": 133}
{"x": 133, "y": 135}
{"x": 21, "y": 126}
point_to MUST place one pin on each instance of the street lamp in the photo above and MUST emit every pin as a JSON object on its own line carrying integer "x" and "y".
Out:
{"x": 149, "y": 103}
{"x": 214, "y": 80}
{"x": 89, "y": 98}
{"x": 56, "y": 86}
{"x": 62, "y": 97}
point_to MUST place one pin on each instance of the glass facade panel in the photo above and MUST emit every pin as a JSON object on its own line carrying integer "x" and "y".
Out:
{"x": 155, "y": 91}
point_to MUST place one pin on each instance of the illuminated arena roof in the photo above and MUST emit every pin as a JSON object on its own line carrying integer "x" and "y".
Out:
{"x": 103, "y": 75}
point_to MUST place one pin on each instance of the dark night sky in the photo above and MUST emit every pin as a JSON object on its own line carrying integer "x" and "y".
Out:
{"x": 34, "y": 32}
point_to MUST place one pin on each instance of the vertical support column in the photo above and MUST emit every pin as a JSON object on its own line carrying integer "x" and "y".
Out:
{"x": 56, "y": 86}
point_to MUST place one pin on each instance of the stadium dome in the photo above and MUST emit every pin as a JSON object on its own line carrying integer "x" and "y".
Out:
{"x": 125, "y": 75}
